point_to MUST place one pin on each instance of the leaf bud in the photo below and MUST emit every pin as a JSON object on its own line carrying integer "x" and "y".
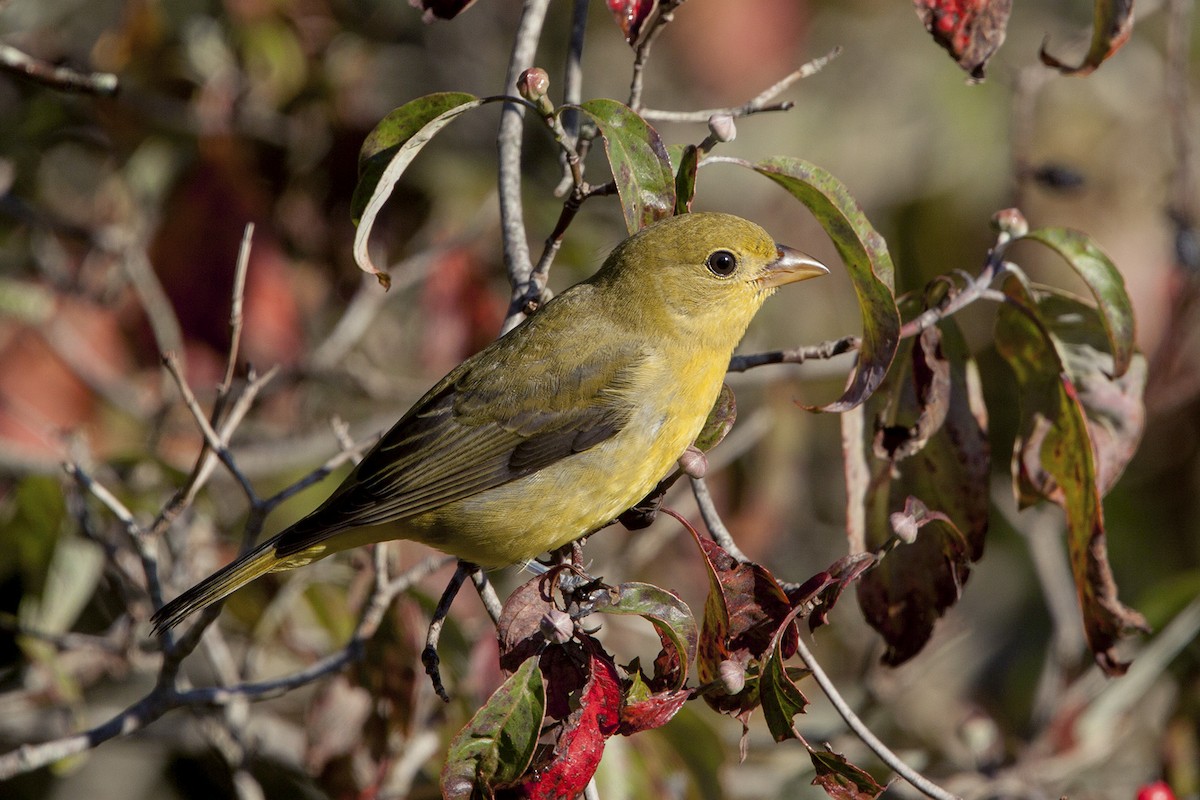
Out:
{"x": 722, "y": 127}
{"x": 557, "y": 626}
{"x": 694, "y": 463}
{"x": 533, "y": 84}
{"x": 1010, "y": 221}
{"x": 732, "y": 676}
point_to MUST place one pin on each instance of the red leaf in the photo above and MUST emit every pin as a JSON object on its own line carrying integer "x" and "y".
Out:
{"x": 743, "y": 613}
{"x": 970, "y": 30}
{"x": 653, "y": 712}
{"x": 580, "y": 743}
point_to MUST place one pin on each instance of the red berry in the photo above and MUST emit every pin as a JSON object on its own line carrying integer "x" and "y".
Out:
{"x": 1159, "y": 790}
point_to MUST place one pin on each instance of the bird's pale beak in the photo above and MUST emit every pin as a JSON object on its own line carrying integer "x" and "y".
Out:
{"x": 790, "y": 266}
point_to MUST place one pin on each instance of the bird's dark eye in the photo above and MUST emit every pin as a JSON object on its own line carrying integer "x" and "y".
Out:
{"x": 721, "y": 263}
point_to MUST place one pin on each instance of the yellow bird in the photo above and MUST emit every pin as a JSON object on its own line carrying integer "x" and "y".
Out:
{"x": 556, "y": 428}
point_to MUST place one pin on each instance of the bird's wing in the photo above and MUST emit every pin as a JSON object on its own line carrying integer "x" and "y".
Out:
{"x": 489, "y": 422}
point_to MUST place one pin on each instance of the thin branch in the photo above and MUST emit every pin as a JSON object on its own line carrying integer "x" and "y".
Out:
{"x": 653, "y": 28}
{"x": 760, "y": 104}
{"x": 487, "y": 593}
{"x": 235, "y": 312}
{"x": 508, "y": 142}
{"x": 798, "y": 355}
{"x": 712, "y": 519}
{"x": 56, "y": 77}
{"x": 860, "y": 729}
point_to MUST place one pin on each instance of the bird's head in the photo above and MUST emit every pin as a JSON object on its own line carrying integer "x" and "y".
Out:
{"x": 702, "y": 274}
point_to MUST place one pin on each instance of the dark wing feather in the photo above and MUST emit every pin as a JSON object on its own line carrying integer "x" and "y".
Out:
{"x": 484, "y": 425}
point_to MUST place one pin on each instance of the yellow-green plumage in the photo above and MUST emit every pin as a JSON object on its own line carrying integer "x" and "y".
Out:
{"x": 556, "y": 428}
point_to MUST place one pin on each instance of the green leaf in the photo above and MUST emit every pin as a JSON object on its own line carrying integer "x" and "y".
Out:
{"x": 1111, "y": 27}
{"x": 781, "y": 699}
{"x": 498, "y": 743}
{"x": 866, "y": 257}
{"x": 1054, "y": 459}
{"x": 1104, "y": 282}
{"x": 639, "y": 162}
{"x": 666, "y": 612}
{"x": 685, "y": 178}
{"x": 720, "y": 420}
{"x": 387, "y": 152}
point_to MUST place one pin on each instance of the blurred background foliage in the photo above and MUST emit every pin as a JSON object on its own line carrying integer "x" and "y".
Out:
{"x": 113, "y": 210}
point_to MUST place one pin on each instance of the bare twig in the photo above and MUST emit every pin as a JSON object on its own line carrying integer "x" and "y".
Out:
{"x": 860, "y": 729}
{"x": 712, "y": 519}
{"x": 762, "y": 103}
{"x": 56, "y": 77}
{"x": 798, "y": 355}
{"x": 508, "y": 141}
{"x": 653, "y": 27}
{"x": 487, "y": 593}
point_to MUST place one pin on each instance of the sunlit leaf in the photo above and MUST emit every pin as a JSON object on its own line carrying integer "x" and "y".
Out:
{"x": 1112, "y": 24}
{"x": 498, "y": 743}
{"x": 387, "y": 152}
{"x": 580, "y": 741}
{"x": 667, "y": 612}
{"x": 1105, "y": 283}
{"x": 1054, "y": 455}
{"x": 866, "y": 257}
{"x": 639, "y": 163}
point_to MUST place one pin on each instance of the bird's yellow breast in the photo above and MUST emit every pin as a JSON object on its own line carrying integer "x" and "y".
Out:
{"x": 515, "y": 522}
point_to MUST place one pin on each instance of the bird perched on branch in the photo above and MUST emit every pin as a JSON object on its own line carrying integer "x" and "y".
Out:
{"x": 556, "y": 428}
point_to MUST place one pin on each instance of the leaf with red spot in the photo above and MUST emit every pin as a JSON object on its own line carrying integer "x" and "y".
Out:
{"x": 840, "y": 779}
{"x": 971, "y": 31}
{"x": 640, "y": 165}
{"x": 631, "y": 15}
{"x": 1055, "y": 460}
{"x": 1112, "y": 24}
{"x": 566, "y": 771}
{"x": 498, "y": 743}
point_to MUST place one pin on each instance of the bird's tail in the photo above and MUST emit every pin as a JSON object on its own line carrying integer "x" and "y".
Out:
{"x": 221, "y": 584}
